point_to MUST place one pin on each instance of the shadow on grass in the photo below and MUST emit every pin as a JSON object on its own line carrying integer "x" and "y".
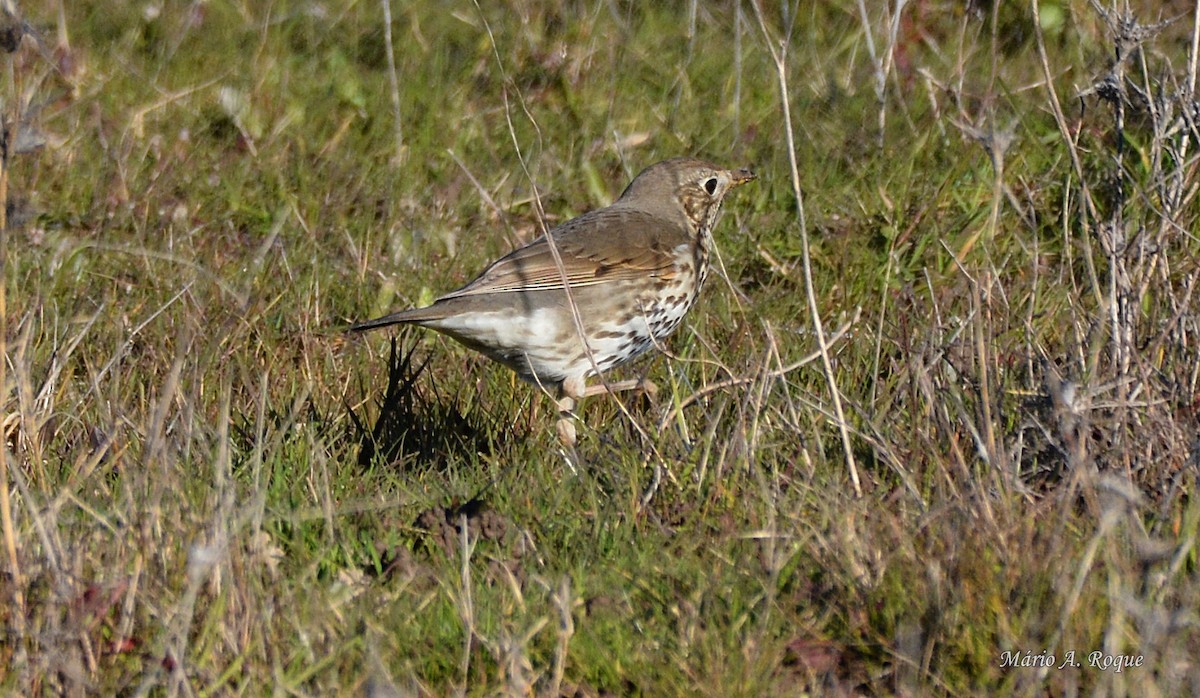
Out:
{"x": 415, "y": 429}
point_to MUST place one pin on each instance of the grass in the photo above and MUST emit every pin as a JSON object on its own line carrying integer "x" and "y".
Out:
{"x": 209, "y": 489}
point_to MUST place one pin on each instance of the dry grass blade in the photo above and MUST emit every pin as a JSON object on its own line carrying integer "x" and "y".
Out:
{"x": 779, "y": 56}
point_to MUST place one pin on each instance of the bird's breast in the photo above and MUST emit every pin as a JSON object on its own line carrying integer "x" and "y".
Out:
{"x": 666, "y": 305}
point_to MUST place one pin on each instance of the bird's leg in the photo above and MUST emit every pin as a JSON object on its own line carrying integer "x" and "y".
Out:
{"x": 568, "y": 393}
{"x": 642, "y": 384}
{"x": 572, "y": 390}
{"x": 566, "y": 427}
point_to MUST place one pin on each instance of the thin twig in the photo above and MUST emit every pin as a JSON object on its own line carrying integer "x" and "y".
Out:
{"x": 554, "y": 253}
{"x": 779, "y": 55}
{"x": 393, "y": 82}
{"x": 743, "y": 380}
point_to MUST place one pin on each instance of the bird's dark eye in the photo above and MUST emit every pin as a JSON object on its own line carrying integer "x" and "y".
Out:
{"x": 710, "y": 186}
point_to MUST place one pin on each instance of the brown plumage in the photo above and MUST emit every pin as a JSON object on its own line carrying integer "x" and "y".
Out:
{"x": 633, "y": 270}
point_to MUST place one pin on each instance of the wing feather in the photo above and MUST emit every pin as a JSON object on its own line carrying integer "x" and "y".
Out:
{"x": 603, "y": 246}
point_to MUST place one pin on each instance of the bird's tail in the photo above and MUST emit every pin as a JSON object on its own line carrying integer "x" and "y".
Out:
{"x": 416, "y": 316}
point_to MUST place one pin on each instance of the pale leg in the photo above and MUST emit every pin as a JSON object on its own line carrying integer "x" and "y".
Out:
{"x": 568, "y": 393}
{"x": 566, "y": 427}
{"x": 573, "y": 389}
{"x": 641, "y": 384}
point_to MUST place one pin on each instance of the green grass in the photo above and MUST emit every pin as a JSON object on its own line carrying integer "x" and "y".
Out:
{"x": 211, "y": 490}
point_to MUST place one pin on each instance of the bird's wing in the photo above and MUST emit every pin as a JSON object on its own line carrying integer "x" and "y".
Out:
{"x": 602, "y": 246}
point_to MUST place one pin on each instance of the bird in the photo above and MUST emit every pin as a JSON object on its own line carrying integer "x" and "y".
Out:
{"x": 622, "y": 277}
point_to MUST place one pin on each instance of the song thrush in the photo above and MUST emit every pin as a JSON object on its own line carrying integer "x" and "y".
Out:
{"x": 632, "y": 270}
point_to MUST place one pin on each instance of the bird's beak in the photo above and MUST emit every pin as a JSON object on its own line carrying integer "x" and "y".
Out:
{"x": 742, "y": 176}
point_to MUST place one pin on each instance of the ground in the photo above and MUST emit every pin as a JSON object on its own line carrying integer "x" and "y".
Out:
{"x": 930, "y": 430}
